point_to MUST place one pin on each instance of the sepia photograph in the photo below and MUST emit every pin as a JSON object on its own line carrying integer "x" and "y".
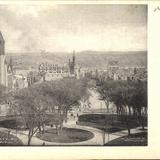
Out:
{"x": 73, "y": 75}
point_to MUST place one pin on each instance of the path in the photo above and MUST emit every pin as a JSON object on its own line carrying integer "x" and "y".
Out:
{"x": 98, "y": 138}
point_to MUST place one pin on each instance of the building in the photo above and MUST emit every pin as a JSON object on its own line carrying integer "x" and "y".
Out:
{"x": 51, "y": 72}
{"x": 19, "y": 82}
{"x": 6, "y": 66}
{"x": 3, "y": 63}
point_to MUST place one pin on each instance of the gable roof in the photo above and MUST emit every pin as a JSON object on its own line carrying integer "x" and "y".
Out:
{"x": 1, "y": 37}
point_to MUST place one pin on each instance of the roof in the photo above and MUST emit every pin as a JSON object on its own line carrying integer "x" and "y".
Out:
{"x": 1, "y": 37}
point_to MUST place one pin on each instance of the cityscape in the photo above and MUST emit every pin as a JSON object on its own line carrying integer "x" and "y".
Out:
{"x": 79, "y": 96}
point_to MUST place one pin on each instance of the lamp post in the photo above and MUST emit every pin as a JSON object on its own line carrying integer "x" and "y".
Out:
{"x": 106, "y": 129}
{"x": 8, "y": 136}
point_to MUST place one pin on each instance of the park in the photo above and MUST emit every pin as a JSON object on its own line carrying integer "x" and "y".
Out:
{"x": 76, "y": 112}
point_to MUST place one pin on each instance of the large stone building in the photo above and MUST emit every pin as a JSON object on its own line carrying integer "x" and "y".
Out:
{"x": 3, "y": 63}
{"x": 6, "y": 66}
{"x": 51, "y": 72}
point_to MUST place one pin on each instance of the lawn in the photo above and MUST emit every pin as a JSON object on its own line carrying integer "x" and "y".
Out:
{"x": 8, "y": 140}
{"x": 67, "y": 135}
{"x": 138, "y": 139}
{"x": 12, "y": 124}
{"x": 108, "y": 122}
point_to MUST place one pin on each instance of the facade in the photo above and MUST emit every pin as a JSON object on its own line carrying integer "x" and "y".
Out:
{"x": 6, "y": 66}
{"x": 51, "y": 72}
{"x": 3, "y": 64}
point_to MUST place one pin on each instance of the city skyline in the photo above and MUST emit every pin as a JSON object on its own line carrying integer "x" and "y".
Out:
{"x": 62, "y": 28}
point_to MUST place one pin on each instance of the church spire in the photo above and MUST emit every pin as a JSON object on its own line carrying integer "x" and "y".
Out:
{"x": 2, "y": 42}
{"x": 74, "y": 57}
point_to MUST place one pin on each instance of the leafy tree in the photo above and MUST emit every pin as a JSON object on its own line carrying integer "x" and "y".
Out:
{"x": 30, "y": 106}
{"x": 139, "y": 102}
{"x": 128, "y": 96}
{"x": 47, "y": 102}
{"x": 110, "y": 91}
{"x": 65, "y": 95}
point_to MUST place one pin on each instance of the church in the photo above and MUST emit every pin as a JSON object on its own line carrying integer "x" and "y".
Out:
{"x": 6, "y": 71}
{"x": 3, "y": 63}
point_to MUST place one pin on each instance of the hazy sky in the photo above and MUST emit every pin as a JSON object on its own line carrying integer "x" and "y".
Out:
{"x": 28, "y": 28}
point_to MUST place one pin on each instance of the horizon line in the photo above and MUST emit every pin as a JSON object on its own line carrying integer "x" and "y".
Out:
{"x": 70, "y": 52}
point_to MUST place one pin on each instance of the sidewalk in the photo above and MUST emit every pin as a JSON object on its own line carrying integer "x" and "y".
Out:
{"x": 98, "y": 138}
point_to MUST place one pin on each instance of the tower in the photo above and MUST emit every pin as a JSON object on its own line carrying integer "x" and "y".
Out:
{"x": 74, "y": 58}
{"x": 3, "y": 65}
{"x": 72, "y": 64}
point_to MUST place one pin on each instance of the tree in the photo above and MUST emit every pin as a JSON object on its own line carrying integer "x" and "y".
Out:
{"x": 29, "y": 105}
{"x": 129, "y": 98}
{"x": 110, "y": 91}
{"x": 139, "y": 102}
{"x": 65, "y": 95}
{"x": 47, "y": 102}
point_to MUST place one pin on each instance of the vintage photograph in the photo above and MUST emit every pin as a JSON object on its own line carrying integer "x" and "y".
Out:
{"x": 73, "y": 75}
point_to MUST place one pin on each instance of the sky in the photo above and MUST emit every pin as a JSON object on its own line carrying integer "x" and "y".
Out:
{"x": 63, "y": 28}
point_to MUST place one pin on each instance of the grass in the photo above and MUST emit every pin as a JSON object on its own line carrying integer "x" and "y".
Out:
{"x": 108, "y": 122}
{"x": 12, "y": 124}
{"x": 138, "y": 139}
{"x": 9, "y": 140}
{"x": 67, "y": 135}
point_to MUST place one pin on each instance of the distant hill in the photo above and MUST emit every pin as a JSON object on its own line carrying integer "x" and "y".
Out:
{"x": 101, "y": 59}
{"x": 85, "y": 59}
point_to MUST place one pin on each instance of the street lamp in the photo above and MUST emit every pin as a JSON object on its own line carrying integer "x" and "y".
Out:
{"x": 106, "y": 129}
{"x": 8, "y": 136}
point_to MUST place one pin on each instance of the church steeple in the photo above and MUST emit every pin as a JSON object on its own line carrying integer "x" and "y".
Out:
{"x": 74, "y": 57}
{"x": 72, "y": 64}
{"x": 2, "y": 42}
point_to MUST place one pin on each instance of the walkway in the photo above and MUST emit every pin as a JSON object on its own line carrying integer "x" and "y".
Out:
{"x": 98, "y": 138}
